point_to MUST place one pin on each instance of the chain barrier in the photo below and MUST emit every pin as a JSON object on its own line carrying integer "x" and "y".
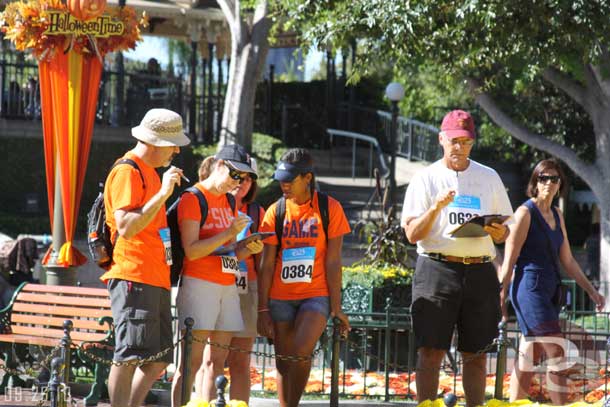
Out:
{"x": 446, "y": 366}
{"x": 134, "y": 362}
{"x": 289, "y": 358}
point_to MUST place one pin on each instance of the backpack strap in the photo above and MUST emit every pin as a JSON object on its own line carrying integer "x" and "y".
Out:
{"x": 203, "y": 203}
{"x": 132, "y": 163}
{"x": 280, "y": 214}
{"x": 254, "y": 212}
{"x": 323, "y": 205}
{"x": 232, "y": 202}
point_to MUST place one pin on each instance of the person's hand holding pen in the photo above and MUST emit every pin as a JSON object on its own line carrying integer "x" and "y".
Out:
{"x": 182, "y": 175}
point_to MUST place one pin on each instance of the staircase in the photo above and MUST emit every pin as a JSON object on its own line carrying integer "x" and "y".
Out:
{"x": 356, "y": 194}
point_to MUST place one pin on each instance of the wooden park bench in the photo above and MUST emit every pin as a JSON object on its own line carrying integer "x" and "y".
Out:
{"x": 35, "y": 318}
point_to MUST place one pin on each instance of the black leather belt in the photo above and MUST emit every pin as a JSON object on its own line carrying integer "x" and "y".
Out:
{"x": 457, "y": 259}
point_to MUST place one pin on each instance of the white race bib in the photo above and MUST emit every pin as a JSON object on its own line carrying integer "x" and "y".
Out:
{"x": 167, "y": 244}
{"x": 230, "y": 265}
{"x": 297, "y": 265}
{"x": 241, "y": 281}
{"x": 462, "y": 209}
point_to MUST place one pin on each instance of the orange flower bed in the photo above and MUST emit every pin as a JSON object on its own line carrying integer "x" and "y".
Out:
{"x": 402, "y": 385}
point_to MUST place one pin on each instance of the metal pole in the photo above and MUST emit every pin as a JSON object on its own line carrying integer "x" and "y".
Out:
{"x": 209, "y": 129}
{"x": 219, "y": 99}
{"x": 284, "y": 122}
{"x": 221, "y": 383}
{"x": 202, "y": 110}
{"x": 410, "y": 141}
{"x": 386, "y": 355}
{"x": 185, "y": 392}
{"x": 393, "y": 151}
{"x": 117, "y": 116}
{"x": 353, "y": 158}
{"x": 352, "y": 91}
{"x": 65, "y": 343}
{"x": 2, "y": 75}
{"x": 270, "y": 99}
{"x": 500, "y": 361}
{"x": 55, "y": 383}
{"x": 334, "y": 365}
{"x": 193, "y": 99}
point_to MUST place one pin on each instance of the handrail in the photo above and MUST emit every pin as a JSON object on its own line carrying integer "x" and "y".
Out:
{"x": 385, "y": 172}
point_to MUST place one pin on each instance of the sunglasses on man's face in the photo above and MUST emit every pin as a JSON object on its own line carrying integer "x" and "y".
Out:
{"x": 236, "y": 175}
{"x": 543, "y": 179}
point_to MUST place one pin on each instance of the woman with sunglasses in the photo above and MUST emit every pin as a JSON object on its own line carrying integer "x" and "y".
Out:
{"x": 239, "y": 362}
{"x": 208, "y": 292}
{"x": 294, "y": 306}
{"x": 536, "y": 245}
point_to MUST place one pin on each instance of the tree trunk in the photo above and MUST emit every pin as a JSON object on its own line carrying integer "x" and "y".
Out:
{"x": 249, "y": 47}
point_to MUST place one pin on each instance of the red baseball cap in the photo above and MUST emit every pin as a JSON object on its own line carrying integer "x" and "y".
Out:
{"x": 458, "y": 123}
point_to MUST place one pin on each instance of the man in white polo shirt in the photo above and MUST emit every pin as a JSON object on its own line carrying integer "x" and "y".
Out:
{"x": 455, "y": 284}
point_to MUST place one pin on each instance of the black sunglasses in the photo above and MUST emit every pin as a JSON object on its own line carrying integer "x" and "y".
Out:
{"x": 236, "y": 175}
{"x": 543, "y": 179}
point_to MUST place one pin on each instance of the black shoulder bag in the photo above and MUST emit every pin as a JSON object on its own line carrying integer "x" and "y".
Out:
{"x": 562, "y": 295}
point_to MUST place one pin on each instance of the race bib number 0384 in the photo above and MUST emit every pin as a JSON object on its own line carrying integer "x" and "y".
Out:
{"x": 297, "y": 265}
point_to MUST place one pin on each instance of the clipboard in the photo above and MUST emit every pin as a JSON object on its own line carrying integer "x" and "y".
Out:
{"x": 241, "y": 243}
{"x": 474, "y": 226}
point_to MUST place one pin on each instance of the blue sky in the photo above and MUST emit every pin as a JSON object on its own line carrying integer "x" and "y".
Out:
{"x": 156, "y": 47}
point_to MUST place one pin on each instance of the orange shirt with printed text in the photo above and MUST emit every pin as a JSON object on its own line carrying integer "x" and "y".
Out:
{"x": 220, "y": 217}
{"x": 303, "y": 228}
{"x": 250, "y": 259}
{"x": 142, "y": 257}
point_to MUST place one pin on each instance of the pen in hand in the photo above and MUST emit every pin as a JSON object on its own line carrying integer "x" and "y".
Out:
{"x": 183, "y": 176}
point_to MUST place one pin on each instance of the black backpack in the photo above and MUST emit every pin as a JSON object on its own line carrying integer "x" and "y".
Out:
{"x": 254, "y": 212}
{"x": 174, "y": 230}
{"x": 99, "y": 240}
{"x": 280, "y": 214}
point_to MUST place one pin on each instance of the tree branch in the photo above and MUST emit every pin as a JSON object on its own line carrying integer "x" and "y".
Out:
{"x": 260, "y": 11}
{"x": 589, "y": 173}
{"x": 228, "y": 7}
{"x": 600, "y": 84}
{"x": 570, "y": 86}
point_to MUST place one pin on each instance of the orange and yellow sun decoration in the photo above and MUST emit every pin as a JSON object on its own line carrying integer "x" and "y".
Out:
{"x": 69, "y": 41}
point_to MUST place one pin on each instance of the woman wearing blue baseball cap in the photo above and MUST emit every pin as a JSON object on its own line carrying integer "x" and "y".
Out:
{"x": 299, "y": 283}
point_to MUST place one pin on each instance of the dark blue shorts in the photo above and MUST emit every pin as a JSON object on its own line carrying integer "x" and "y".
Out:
{"x": 287, "y": 310}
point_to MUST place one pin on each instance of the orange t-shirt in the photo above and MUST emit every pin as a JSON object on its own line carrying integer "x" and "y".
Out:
{"x": 303, "y": 228}
{"x": 250, "y": 259}
{"x": 220, "y": 217}
{"x": 142, "y": 257}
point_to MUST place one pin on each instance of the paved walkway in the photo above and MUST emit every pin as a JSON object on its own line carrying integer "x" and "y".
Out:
{"x": 28, "y": 398}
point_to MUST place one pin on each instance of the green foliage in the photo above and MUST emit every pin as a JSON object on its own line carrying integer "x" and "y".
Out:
{"x": 369, "y": 276}
{"x": 385, "y": 259}
{"x": 433, "y": 45}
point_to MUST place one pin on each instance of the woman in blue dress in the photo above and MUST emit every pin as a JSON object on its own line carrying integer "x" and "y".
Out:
{"x": 536, "y": 245}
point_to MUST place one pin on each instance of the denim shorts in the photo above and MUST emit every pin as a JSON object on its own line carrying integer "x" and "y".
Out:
{"x": 287, "y": 310}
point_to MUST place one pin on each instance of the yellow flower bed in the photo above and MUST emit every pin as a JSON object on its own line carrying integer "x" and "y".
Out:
{"x": 201, "y": 403}
{"x": 518, "y": 403}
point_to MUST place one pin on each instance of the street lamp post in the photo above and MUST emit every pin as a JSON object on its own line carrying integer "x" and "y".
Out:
{"x": 394, "y": 92}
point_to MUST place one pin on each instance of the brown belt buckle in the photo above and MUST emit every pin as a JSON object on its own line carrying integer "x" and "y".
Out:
{"x": 466, "y": 260}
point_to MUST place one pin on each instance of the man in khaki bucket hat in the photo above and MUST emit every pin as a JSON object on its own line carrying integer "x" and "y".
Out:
{"x": 138, "y": 277}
